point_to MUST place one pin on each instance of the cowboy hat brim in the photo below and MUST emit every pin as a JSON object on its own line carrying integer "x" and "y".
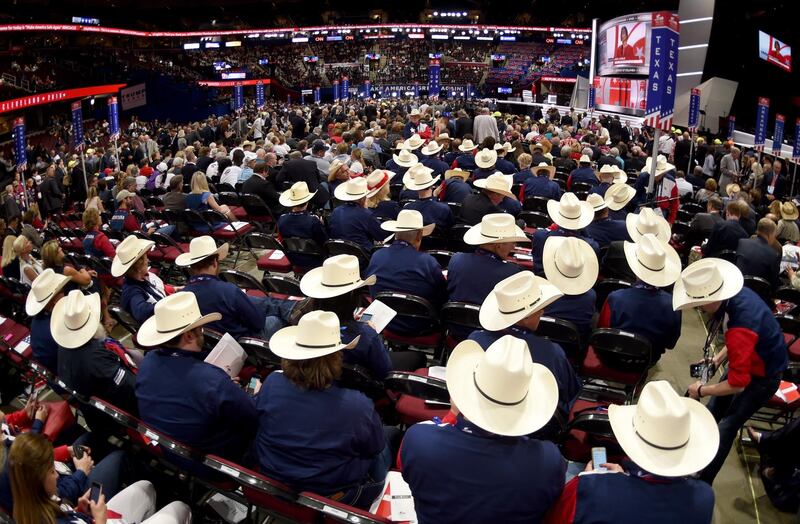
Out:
{"x": 615, "y": 205}
{"x": 149, "y": 336}
{"x": 485, "y": 165}
{"x": 493, "y": 319}
{"x": 402, "y": 163}
{"x": 341, "y": 193}
{"x": 286, "y": 201}
{"x": 391, "y": 226}
{"x": 663, "y": 232}
{"x": 33, "y": 306}
{"x": 284, "y": 344}
{"x": 586, "y": 217}
{"x": 474, "y": 237}
{"x": 374, "y": 191}
{"x": 457, "y": 173}
{"x": 118, "y": 267}
{"x": 551, "y": 170}
{"x": 409, "y": 183}
{"x": 524, "y": 418}
{"x": 311, "y": 285}
{"x": 698, "y": 452}
{"x": 570, "y": 285}
{"x": 74, "y": 338}
{"x": 467, "y": 149}
{"x": 620, "y": 177}
{"x": 187, "y": 259}
{"x": 732, "y": 283}
{"x": 482, "y": 184}
{"x": 428, "y": 152}
{"x": 661, "y": 278}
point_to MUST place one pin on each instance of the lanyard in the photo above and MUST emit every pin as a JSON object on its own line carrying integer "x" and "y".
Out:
{"x": 196, "y": 279}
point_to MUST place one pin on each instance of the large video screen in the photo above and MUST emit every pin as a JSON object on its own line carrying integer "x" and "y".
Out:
{"x": 623, "y": 45}
{"x": 774, "y": 51}
{"x": 621, "y": 95}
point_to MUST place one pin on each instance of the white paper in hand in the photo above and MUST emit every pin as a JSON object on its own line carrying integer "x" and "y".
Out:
{"x": 227, "y": 355}
{"x": 381, "y": 315}
{"x": 402, "y": 503}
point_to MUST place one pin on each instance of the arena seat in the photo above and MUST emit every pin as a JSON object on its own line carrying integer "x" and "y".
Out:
{"x": 421, "y": 397}
{"x": 274, "y": 259}
{"x": 617, "y": 356}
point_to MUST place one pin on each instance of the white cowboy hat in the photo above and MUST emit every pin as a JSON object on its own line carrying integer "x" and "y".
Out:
{"x": 335, "y": 166}
{"x": 338, "y": 275}
{"x": 431, "y": 148}
{"x": 376, "y": 180}
{"x": 316, "y": 334}
{"x": 458, "y": 173}
{"x": 507, "y": 146}
{"x": 43, "y": 289}
{"x": 662, "y": 166}
{"x": 544, "y": 166}
{"x": 486, "y": 158}
{"x": 514, "y": 298}
{"x": 571, "y": 264}
{"x": 443, "y": 136}
{"x": 129, "y": 251}
{"x": 501, "y": 390}
{"x": 618, "y": 196}
{"x": 405, "y": 158}
{"x": 467, "y": 145}
{"x": 173, "y": 316}
{"x": 653, "y": 261}
{"x": 597, "y": 202}
{"x": 607, "y": 169}
{"x": 351, "y": 189}
{"x": 569, "y": 212}
{"x": 665, "y": 434}
{"x": 648, "y": 221}
{"x": 200, "y": 248}
{"x": 496, "y": 183}
{"x": 584, "y": 159}
{"x": 75, "y": 319}
{"x": 414, "y": 112}
{"x": 705, "y": 281}
{"x": 408, "y": 220}
{"x": 418, "y": 177}
{"x": 620, "y": 177}
{"x": 495, "y": 228}
{"x": 414, "y": 142}
{"x": 297, "y": 195}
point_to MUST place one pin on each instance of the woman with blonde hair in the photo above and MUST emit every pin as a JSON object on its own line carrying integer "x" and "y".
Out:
{"x": 201, "y": 199}
{"x": 93, "y": 200}
{"x": 29, "y": 267}
{"x": 378, "y": 198}
{"x": 10, "y": 262}
{"x": 356, "y": 162}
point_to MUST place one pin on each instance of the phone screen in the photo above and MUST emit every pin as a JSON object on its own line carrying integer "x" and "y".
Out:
{"x": 94, "y": 494}
{"x": 365, "y": 317}
{"x": 251, "y": 386}
{"x": 599, "y": 457}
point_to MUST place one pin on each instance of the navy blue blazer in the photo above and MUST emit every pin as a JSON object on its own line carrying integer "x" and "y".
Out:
{"x": 433, "y": 212}
{"x": 303, "y": 224}
{"x": 757, "y": 258}
{"x": 455, "y": 190}
{"x": 542, "y": 186}
{"x": 352, "y": 222}
{"x": 604, "y": 231}
{"x": 661, "y": 325}
{"x": 240, "y": 317}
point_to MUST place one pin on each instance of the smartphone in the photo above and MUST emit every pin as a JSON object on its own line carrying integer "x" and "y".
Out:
{"x": 365, "y": 317}
{"x": 251, "y": 386}
{"x": 599, "y": 457}
{"x": 78, "y": 451}
{"x": 96, "y": 489}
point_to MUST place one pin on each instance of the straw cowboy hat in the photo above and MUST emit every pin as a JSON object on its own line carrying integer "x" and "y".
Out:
{"x": 337, "y": 275}
{"x": 467, "y": 145}
{"x": 414, "y": 112}
{"x": 75, "y": 319}
{"x": 443, "y": 136}
{"x": 43, "y": 289}
{"x": 584, "y": 159}
{"x": 570, "y": 264}
{"x": 495, "y": 228}
{"x": 620, "y": 177}
{"x": 316, "y": 334}
{"x": 597, "y": 202}
{"x": 496, "y": 183}
{"x": 664, "y": 433}
{"x": 705, "y": 281}
{"x": 414, "y": 142}
{"x": 173, "y": 316}
{"x": 335, "y": 166}
{"x": 508, "y": 148}
{"x": 431, "y": 148}
{"x": 418, "y": 177}
{"x": 647, "y": 221}
{"x": 408, "y": 220}
{"x": 789, "y": 211}
{"x": 486, "y": 158}
{"x": 653, "y": 261}
{"x": 297, "y": 195}
{"x": 351, "y": 189}
{"x": 544, "y": 166}
{"x": 607, "y": 169}
{"x": 200, "y": 248}
{"x": 128, "y": 252}
{"x": 618, "y": 196}
{"x": 501, "y": 390}
{"x": 515, "y": 298}
{"x": 732, "y": 189}
{"x": 569, "y": 212}
{"x": 662, "y": 166}
{"x": 405, "y": 158}
{"x": 458, "y": 173}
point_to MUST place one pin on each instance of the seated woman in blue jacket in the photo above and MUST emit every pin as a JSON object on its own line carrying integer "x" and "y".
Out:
{"x": 141, "y": 289}
{"x": 346, "y": 456}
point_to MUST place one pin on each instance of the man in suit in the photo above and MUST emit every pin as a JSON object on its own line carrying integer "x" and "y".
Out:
{"x": 299, "y": 170}
{"x": 261, "y": 185}
{"x": 463, "y": 125}
{"x": 726, "y": 234}
{"x": 298, "y": 125}
{"x": 773, "y": 185}
{"x": 755, "y": 256}
{"x": 703, "y": 224}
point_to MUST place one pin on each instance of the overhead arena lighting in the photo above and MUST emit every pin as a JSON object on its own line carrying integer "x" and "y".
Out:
{"x": 233, "y": 43}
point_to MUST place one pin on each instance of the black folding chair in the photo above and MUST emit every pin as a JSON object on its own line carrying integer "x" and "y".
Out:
{"x": 565, "y": 334}
{"x": 282, "y": 285}
{"x": 346, "y": 247}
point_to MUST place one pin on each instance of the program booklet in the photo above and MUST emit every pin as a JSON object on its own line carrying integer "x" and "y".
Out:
{"x": 227, "y": 355}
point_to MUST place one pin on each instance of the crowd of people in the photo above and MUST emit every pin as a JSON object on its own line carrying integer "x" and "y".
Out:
{"x": 540, "y": 208}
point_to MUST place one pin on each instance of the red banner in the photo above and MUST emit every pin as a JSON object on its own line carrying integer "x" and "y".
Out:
{"x": 232, "y": 83}
{"x": 38, "y": 99}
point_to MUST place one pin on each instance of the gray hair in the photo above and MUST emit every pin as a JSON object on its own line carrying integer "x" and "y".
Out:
{"x": 566, "y": 151}
{"x": 614, "y": 151}
{"x": 587, "y": 151}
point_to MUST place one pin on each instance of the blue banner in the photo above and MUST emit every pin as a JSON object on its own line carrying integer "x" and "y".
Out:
{"x": 367, "y": 89}
{"x": 592, "y": 94}
{"x": 20, "y": 146}
{"x": 670, "y": 71}
{"x": 416, "y": 90}
{"x": 316, "y": 95}
{"x": 468, "y": 94}
{"x": 335, "y": 90}
{"x": 345, "y": 89}
{"x": 260, "y": 95}
{"x": 694, "y": 109}
{"x": 113, "y": 118}
{"x": 659, "y": 37}
{"x": 434, "y": 78}
{"x": 777, "y": 137}
{"x": 796, "y": 148}
{"x": 761, "y": 123}
{"x": 238, "y": 97}
{"x": 77, "y": 125}
{"x": 731, "y": 126}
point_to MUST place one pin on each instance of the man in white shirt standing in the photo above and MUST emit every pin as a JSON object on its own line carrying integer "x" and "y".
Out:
{"x": 257, "y": 128}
